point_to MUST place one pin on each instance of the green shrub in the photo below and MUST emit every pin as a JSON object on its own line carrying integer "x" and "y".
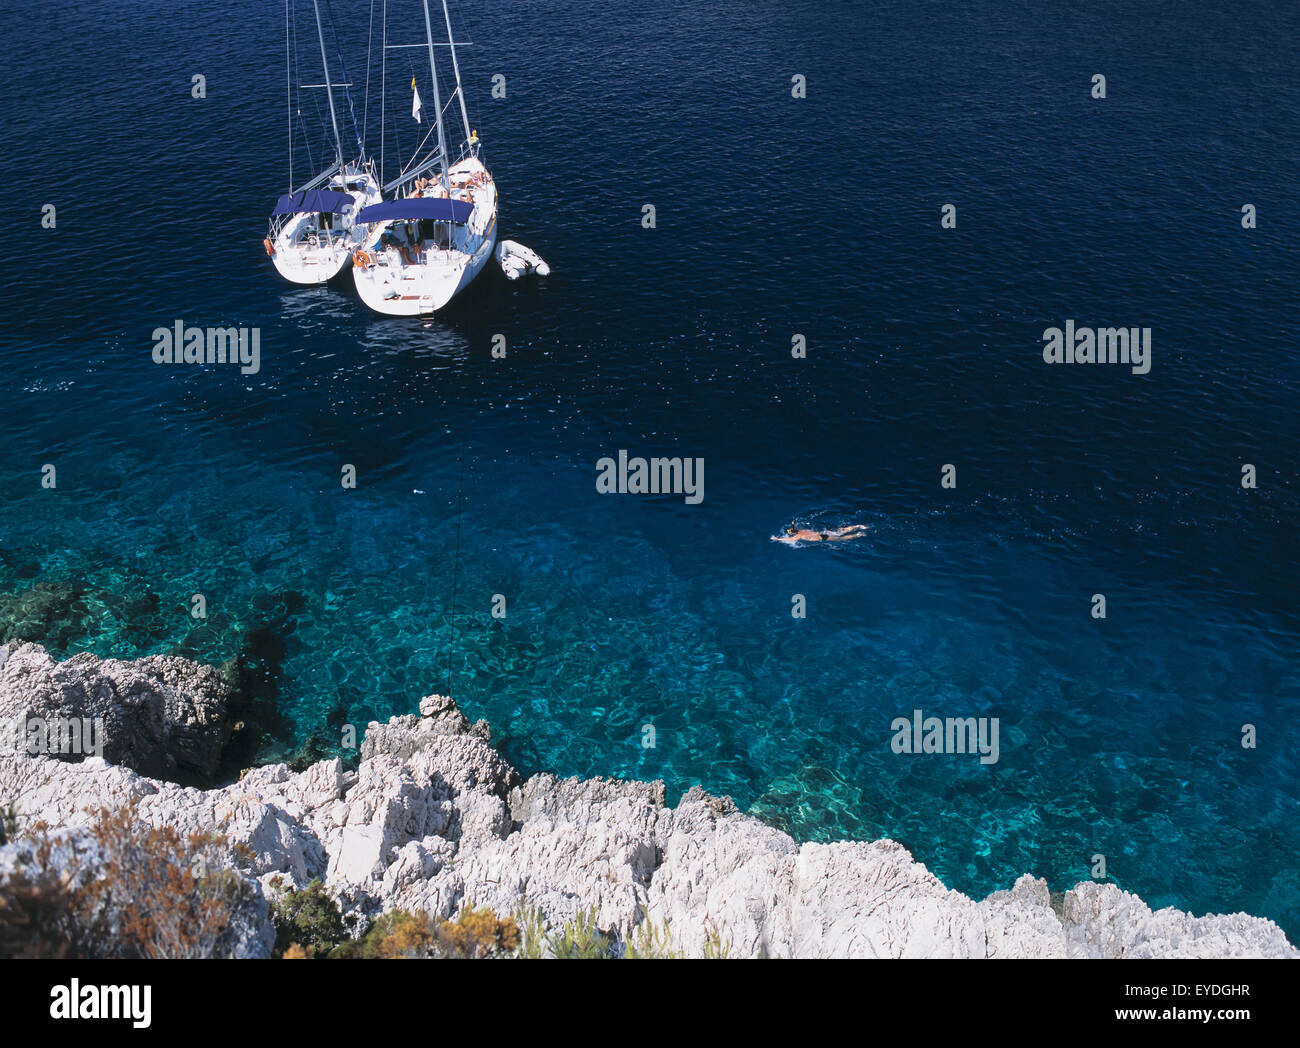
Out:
{"x": 715, "y": 949}
{"x": 651, "y": 941}
{"x": 580, "y": 939}
{"x": 532, "y": 932}
{"x": 308, "y": 918}
{"x": 393, "y": 935}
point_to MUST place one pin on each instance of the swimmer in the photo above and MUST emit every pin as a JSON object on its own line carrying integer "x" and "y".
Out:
{"x": 795, "y": 534}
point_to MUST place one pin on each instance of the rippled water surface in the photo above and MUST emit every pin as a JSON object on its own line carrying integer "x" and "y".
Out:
{"x": 775, "y": 216}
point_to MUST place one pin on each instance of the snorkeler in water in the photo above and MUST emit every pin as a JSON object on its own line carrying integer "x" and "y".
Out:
{"x": 795, "y": 534}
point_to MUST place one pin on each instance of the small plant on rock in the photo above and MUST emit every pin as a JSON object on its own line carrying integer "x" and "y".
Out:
{"x": 715, "y": 947}
{"x": 309, "y": 919}
{"x": 650, "y": 941}
{"x": 532, "y": 932}
{"x": 133, "y": 890}
{"x": 394, "y": 935}
{"x": 580, "y": 939}
{"x": 478, "y": 933}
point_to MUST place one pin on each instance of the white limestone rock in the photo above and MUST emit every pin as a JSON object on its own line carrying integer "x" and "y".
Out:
{"x": 1022, "y": 923}
{"x": 435, "y": 819}
{"x": 1101, "y": 920}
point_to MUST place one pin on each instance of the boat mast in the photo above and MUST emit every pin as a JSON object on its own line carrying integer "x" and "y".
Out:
{"x": 346, "y": 84}
{"x": 383, "y": 74}
{"x": 460, "y": 91}
{"x": 329, "y": 88}
{"x": 288, "y": 87}
{"x": 437, "y": 98}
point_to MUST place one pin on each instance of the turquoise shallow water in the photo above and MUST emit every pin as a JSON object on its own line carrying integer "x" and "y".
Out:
{"x": 1118, "y": 737}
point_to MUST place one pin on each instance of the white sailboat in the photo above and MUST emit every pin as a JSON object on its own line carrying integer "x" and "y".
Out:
{"x": 313, "y": 229}
{"x": 428, "y": 243}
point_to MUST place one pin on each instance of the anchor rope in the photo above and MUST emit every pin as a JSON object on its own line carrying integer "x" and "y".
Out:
{"x": 455, "y": 570}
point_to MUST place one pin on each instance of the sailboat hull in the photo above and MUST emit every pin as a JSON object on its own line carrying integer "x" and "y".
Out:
{"x": 390, "y": 287}
{"x": 305, "y": 254}
{"x": 310, "y": 266}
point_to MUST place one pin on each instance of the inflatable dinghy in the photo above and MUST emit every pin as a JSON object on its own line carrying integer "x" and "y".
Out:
{"x": 516, "y": 260}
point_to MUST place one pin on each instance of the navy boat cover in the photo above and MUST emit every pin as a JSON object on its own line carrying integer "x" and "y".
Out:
{"x": 326, "y": 200}
{"x": 417, "y": 207}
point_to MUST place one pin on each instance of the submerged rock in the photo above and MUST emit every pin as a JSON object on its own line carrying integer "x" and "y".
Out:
{"x": 434, "y": 818}
{"x": 816, "y": 804}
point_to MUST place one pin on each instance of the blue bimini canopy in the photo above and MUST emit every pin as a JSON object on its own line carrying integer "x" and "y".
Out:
{"x": 438, "y": 208}
{"x": 324, "y": 200}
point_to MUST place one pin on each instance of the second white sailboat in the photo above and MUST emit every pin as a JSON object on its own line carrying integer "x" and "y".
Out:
{"x": 313, "y": 228}
{"x": 426, "y": 245}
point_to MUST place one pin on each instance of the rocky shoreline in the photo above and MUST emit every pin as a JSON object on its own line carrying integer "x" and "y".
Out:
{"x": 434, "y": 819}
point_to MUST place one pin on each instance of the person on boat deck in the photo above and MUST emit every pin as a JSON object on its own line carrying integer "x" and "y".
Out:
{"x": 415, "y": 237}
{"x": 389, "y": 238}
{"x": 795, "y": 534}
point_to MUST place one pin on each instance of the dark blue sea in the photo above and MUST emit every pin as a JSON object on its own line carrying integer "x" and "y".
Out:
{"x": 775, "y": 216}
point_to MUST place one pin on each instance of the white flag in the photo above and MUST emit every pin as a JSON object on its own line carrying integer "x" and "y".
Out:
{"x": 415, "y": 103}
